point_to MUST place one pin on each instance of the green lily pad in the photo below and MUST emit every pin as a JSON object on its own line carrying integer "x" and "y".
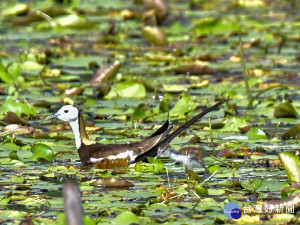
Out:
{"x": 293, "y": 132}
{"x": 127, "y": 89}
{"x": 212, "y": 169}
{"x": 182, "y": 106}
{"x": 285, "y": 110}
{"x": 291, "y": 164}
{"x": 10, "y": 74}
{"x": 18, "y": 107}
{"x": 201, "y": 191}
{"x": 142, "y": 111}
{"x": 126, "y": 218}
{"x": 255, "y": 133}
{"x": 42, "y": 151}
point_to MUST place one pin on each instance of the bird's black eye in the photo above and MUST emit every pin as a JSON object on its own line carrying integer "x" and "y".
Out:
{"x": 66, "y": 111}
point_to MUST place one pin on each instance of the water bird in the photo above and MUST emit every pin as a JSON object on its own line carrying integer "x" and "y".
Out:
{"x": 91, "y": 152}
{"x": 188, "y": 157}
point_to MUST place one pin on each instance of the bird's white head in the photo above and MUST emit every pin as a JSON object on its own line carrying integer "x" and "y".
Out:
{"x": 67, "y": 113}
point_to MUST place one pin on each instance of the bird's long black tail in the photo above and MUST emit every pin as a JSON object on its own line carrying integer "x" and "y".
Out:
{"x": 153, "y": 151}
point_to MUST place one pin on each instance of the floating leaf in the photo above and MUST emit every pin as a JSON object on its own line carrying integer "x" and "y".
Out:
{"x": 14, "y": 105}
{"x": 226, "y": 152}
{"x": 155, "y": 165}
{"x": 255, "y": 133}
{"x": 106, "y": 72}
{"x": 5, "y": 201}
{"x": 291, "y": 164}
{"x": 216, "y": 25}
{"x": 127, "y": 89}
{"x": 245, "y": 129}
{"x": 112, "y": 183}
{"x": 160, "y": 8}
{"x": 252, "y": 184}
{"x": 10, "y": 74}
{"x": 13, "y": 154}
{"x": 182, "y": 106}
{"x": 293, "y": 132}
{"x": 73, "y": 21}
{"x": 33, "y": 16}
{"x": 155, "y": 35}
{"x": 194, "y": 69}
{"x": 42, "y": 151}
{"x": 13, "y": 118}
{"x": 192, "y": 176}
{"x": 73, "y": 91}
{"x": 285, "y": 110}
{"x": 201, "y": 191}
{"x": 16, "y": 9}
{"x": 212, "y": 169}
{"x": 287, "y": 191}
{"x": 126, "y": 218}
{"x": 16, "y": 129}
{"x": 142, "y": 111}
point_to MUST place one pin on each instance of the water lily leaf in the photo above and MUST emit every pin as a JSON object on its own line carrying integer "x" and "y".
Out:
{"x": 182, "y": 106}
{"x": 255, "y": 133}
{"x": 226, "y": 152}
{"x": 233, "y": 124}
{"x": 31, "y": 67}
{"x": 245, "y": 129}
{"x": 291, "y": 164}
{"x": 160, "y": 8}
{"x": 10, "y": 74}
{"x": 155, "y": 35}
{"x": 16, "y": 129}
{"x": 9, "y": 146}
{"x": 194, "y": 69}
{"x": 293, "y": 132}
{"x": 192, "y": 176}
{"x": 142, "y": 111}
{"x": 201, "y": 191}
{"x": 5, "y": 201}
{"x": 215, "y": 26}
{"x": 73, "y": 21}
{"x": 252, "y": 184}
{"x": 15, "y": 9}
{"x": 126, "y": 218}
{"x": 73, "y": 91}
{"x": 127, "y": 89}
{"x": 112, "y": 183}
{"x": 14, "y": 105}
{"x": 165, "y": 103}
{"x": 287, "y": 191}
{"x": 212, "y": 169}
{"x": 42, "y": 151}
{"x": 13, "y": 118}
{"x": 33, "y": 16}
{"x": 106, "y": 72}
{"x": 155, "y": 165}
{"x": 285, "y": 110}
{"x": 13, "y": 154}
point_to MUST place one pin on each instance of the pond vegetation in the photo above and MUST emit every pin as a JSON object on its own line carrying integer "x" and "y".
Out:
{"x": 129, "y": 66}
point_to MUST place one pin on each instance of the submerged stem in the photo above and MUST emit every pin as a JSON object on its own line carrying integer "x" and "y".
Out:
{"x": 246, "y": 74}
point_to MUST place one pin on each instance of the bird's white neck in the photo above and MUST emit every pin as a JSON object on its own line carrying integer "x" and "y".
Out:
{"x": 76, "y": 130}
{"x": 79, "y": 131}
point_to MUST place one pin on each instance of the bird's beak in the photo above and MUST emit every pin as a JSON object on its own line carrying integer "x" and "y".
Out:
{"x": 52, "y": 116}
